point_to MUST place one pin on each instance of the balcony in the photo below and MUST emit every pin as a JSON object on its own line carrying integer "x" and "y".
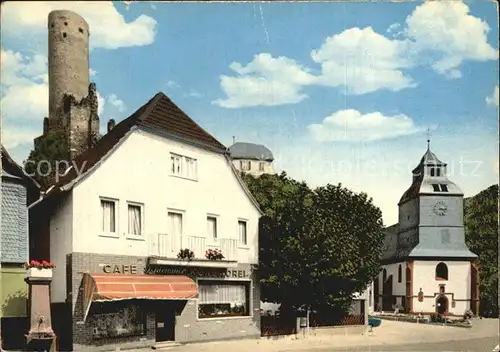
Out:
{"x": 167, "y": 247}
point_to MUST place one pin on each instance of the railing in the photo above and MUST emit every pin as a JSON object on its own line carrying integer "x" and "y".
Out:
{"x": 168, "y": 246}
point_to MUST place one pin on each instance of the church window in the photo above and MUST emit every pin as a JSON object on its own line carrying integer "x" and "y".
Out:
{"x": 436, "y": 188}
{"x": 432, "y": 171}
{"x": 384, "y": 275}
{"x": 441, "y": 271}
{"x": 440, "y": 188}
{"x": 444, "y": 188}
{"x": 400, "y": 273}
{"x": 438, "y": 172}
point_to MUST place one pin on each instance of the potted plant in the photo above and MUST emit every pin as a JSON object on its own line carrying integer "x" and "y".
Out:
{"x": 39, "y": 269}
{"x": 214, "y": 254}
{"x": 186, "y": 254}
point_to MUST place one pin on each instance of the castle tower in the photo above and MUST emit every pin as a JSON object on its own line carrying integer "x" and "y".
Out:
{"x": 68, "y": 58}
{"x": 72, "y": 98}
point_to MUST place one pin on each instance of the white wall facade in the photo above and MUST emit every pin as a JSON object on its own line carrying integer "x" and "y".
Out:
{"x": 457, "y": 286}
{"x": 61, "y": 238}
{"x": 138, "y": 171}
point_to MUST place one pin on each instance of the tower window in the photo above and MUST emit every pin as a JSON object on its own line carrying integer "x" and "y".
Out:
{"x": 64, "y": 35}
{"x": 80, "y": 30}
{"x": 432, "y": 171}
{"x": 441, "y": 271}
{"x": 65, "y": 23}
{"x": 400, "y": 273}
{"x": 438, "y": 172}
{"x": 440, "y": 188}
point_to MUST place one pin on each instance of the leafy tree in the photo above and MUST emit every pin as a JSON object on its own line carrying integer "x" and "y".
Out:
{"x": 481, "y": 235}
{"x": 48, "y": 158}
{"x": 317, "y": 247}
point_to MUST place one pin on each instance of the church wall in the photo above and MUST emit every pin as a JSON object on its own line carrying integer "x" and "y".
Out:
{"x": 408, "y": 214}
{"x": 454, "y": 216}
{"x": 457, "y": 287}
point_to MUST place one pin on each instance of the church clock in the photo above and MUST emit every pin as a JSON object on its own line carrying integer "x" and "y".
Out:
{"x": 440, "y": 208}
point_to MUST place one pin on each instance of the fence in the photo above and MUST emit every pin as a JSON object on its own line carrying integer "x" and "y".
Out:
{"x": 275, "y": 325}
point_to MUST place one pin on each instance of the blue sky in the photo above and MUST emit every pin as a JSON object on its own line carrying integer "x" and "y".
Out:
{"x": 340, "y": 92}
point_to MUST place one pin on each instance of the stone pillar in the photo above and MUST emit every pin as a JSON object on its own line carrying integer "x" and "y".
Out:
{"x": 40, "y": 334}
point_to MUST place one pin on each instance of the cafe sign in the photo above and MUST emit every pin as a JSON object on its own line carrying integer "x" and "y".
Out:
{"x": 172, "y": 270}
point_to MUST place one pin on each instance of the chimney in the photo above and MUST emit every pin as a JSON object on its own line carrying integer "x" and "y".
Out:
{"x": 111, "y": 125}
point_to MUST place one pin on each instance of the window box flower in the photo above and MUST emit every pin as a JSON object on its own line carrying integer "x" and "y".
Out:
{"x": 42, "y": 269}
{"x": 214, "y": 254}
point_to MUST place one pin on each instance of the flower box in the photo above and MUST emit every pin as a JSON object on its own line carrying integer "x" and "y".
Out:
{"x": 42, "y": 273}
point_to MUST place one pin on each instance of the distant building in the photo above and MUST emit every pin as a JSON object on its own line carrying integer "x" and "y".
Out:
{"x": 250, "y": 158}
{"x": 427, "y": 267}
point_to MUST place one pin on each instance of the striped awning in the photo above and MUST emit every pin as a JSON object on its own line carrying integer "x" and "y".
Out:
{"x": 110, "y": 287}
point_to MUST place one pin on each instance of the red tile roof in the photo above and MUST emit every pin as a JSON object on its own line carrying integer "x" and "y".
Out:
{"x": 159, "y": 114}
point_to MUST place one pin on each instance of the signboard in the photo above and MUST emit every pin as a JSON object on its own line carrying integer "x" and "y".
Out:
{"x": 175, "y": 270}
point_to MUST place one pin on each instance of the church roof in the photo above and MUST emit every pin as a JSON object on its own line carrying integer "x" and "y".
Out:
{"x": 243, "y": 150}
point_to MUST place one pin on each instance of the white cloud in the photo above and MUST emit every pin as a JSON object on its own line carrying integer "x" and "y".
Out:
{"x": 92, "y": 72}
{"x": 117, "y": 103}
{"x": 352, "y": 125}
{"x": 363, "y": 61}
{"x": 493, "y": 98}
{"x": 108, "y": 27}
{"x": 172, "y": 84}
{"x": 447, "y": 31}
{"x": 265, "y": 81}
{"x": 438, "y": 34}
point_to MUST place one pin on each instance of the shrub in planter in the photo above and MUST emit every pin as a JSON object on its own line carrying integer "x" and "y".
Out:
{"x": 213, "y": 254}
{"x": 185, "y": 254}
{"x": 39, "y": 264}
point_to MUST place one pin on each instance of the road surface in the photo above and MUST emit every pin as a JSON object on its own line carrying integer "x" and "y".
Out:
{"x": 486, "y": 344}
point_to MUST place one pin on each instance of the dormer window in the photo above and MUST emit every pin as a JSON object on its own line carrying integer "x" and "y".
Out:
{"x": 435, "y": 171}
{"x": 440, "y": 188}
{"x": 432, "y": 171}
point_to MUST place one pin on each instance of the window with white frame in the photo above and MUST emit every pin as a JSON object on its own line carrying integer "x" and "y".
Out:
{"x": 183, "y": 166}
{"x": 108, "y": 211}
{"x": 212, "y": 227}
{"x": 135, "y": 219}
{"x": 174, "y": 223}
{"x": 242, "y": 226}
{"x": 223, "y": 299}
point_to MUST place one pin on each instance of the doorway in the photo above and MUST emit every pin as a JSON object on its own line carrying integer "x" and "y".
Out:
{"x": 442, "y": 304}
{"x": 165, "y": 323}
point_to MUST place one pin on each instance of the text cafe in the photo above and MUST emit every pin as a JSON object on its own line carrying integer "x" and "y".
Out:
{"x": 172, "y": 303}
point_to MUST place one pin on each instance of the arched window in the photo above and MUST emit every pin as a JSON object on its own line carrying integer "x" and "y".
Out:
{"x": 384, "y": 275}
{"x": 400, "y": 273}
{"x": 441, "y": 271}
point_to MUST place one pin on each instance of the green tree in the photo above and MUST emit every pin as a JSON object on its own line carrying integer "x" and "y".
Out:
{"x": 316, "y": 247}
{"x": 47, "y": 158}
{"x": 481, "y": 235}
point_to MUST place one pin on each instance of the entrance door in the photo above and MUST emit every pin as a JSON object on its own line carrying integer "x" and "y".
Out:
{"x": 165, "y": 323}
{"x": 442, "y": 304}
{"x": 387, "y": 297}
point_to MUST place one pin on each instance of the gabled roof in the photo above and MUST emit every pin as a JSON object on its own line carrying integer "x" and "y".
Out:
{"x": 159, "y": 114}
{"x": 243, "y": 150}
{"x": 11, "y": 169}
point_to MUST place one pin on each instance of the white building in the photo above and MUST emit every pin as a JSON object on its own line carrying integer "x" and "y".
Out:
{"x": 155, "y": 184}
{"x": 253, "y": 159}
{"x": 427, "y": 265}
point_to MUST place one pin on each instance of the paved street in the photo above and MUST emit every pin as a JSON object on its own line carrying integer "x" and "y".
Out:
{"x": 391, "y": 336}
{"x": 485, "y": 344}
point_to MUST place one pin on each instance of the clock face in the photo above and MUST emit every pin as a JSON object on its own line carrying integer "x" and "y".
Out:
{"x": 440, "y": 208}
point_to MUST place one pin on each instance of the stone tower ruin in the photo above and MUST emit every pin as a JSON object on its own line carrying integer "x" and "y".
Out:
{"x": 72, "y": 98}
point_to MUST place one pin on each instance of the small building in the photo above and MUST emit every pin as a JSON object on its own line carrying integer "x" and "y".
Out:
{"x": 121, "y": 223}
{"x": 427, "y": 267}
{"x": 18, "y": 190}
{"x": 250, "y": 158}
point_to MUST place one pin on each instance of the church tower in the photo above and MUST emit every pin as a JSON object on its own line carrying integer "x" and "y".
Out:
{"x": 427, "y": 267}
{"x": 73, "y": 101}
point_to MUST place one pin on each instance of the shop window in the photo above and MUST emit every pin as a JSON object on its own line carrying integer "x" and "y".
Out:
{"x": 112, "y": 320}
{"x": 441, "y": 271}
{"x": 218, "y": 299}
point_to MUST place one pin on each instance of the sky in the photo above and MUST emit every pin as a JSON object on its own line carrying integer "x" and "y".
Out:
{"x": 341, "y": 92}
